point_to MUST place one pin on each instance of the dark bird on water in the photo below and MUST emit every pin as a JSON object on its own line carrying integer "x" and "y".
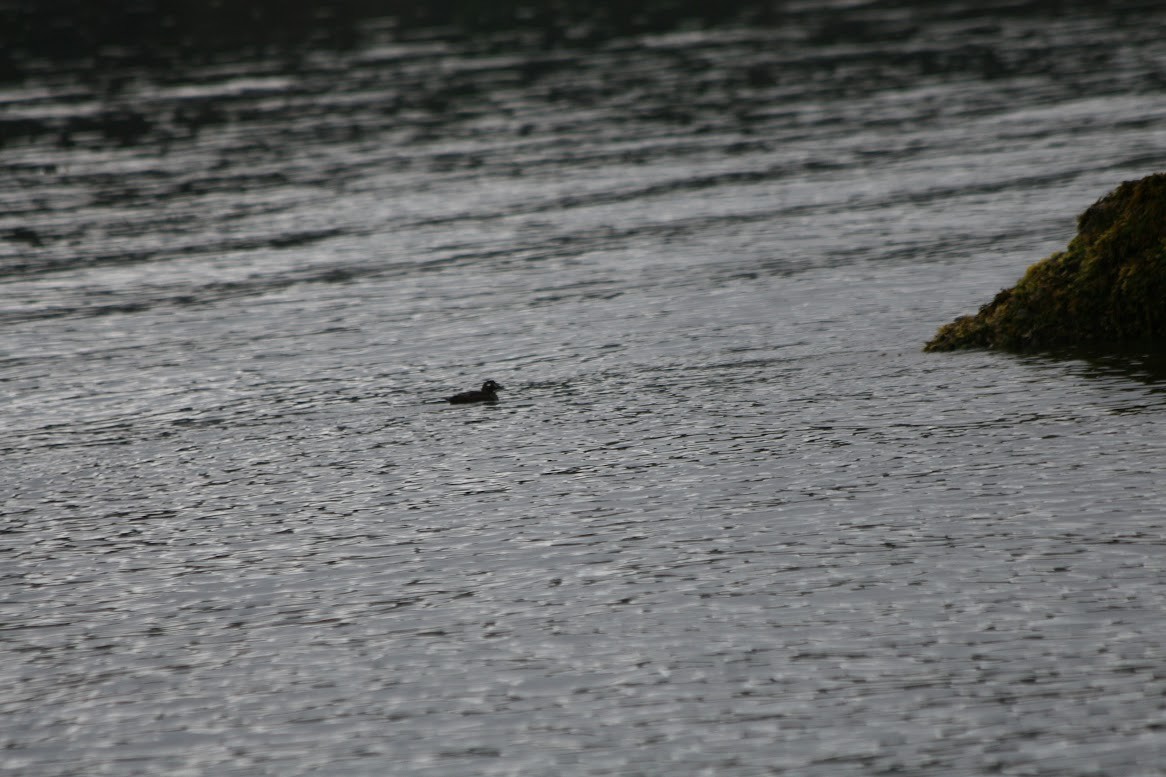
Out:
{"x": 489, "y": 393}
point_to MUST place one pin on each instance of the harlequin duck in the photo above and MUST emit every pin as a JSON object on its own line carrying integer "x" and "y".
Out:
{"x": 489, "y": 393}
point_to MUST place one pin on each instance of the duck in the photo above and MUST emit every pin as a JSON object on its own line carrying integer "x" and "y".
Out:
{"x": 488, "y": 393}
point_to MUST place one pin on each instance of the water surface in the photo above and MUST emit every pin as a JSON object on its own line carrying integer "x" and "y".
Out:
{"x": 727, "y": 518}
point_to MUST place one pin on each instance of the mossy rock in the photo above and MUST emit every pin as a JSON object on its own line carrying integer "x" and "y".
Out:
{"x": 1106, "y": 289}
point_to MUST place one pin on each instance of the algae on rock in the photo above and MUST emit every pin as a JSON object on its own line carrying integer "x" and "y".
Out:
{"x": 1107, "y": 288}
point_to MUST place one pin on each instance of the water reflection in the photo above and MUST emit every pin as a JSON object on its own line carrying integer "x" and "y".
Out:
{"x": 1146, "y": 364}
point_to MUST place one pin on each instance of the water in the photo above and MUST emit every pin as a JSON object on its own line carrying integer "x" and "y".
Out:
{"x": 727, "y": 519}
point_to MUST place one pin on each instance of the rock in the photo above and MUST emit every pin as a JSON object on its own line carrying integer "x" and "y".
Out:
{"x": 1106, "y": 289}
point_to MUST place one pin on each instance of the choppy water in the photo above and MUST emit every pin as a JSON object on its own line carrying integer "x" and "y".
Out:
{"x": 727, "y": 519}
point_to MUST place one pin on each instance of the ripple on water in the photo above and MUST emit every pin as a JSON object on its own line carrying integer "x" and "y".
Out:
{"x": 726, "y": 518}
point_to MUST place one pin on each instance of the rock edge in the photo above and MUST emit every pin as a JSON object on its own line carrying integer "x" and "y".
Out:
{"x": 1107, "y": 288}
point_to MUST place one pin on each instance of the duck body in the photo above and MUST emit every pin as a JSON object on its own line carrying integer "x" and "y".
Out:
{"x": 488, "y": 393}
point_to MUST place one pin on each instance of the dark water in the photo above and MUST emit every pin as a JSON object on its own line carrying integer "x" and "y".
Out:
{"x": 727, "y": 518}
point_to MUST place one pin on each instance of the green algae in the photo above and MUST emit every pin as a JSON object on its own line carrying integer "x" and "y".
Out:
{"x": 1107, "y": 288}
